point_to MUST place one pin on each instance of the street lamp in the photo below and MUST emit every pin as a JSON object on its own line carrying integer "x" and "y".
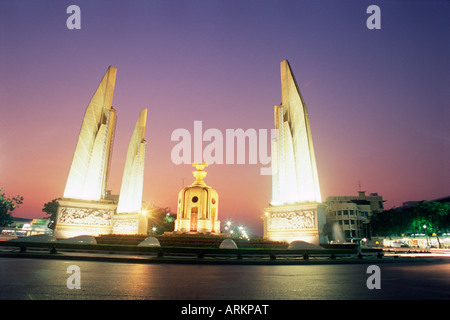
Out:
{"x": 426, "y": 235}
{"x": 363, "y": 241}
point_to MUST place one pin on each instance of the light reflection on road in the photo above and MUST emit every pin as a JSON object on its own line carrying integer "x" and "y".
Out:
{"x": 46, "y": 279}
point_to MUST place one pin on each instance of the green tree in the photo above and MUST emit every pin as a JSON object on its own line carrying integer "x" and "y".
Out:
{"x": 432, "y": 218}
{"x": 395, "y": 222}
{"x": 392, "y": 222}
{"x": 7, "y": 206}
{"x": 51, "y": 209}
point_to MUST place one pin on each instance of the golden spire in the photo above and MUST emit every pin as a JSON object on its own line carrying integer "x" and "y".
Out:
{"x": 199, "y": 174}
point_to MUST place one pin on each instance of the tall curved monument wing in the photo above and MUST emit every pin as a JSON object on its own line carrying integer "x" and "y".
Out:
{"x": 295, "y": 176}
{"x": 89, "y": 170}
{"x": 130, "y": 198}
{"x": 295, "y": 212}
{"x": 86, "y": 207}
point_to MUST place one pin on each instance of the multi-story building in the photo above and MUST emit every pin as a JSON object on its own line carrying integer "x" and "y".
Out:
{"x": 352, "y": 215}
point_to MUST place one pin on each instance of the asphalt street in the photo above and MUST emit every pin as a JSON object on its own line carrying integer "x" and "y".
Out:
{"x": 49, "y": 279}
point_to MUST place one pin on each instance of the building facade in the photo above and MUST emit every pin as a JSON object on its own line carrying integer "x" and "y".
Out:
{"x": 349, "y": 216}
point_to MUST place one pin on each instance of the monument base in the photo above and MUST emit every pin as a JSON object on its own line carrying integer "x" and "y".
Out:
{"x": 199, "y": 226}
{"x": 129, "y": 223}
{"x": 300, "y": 221}
{"x": 83, "y": 217}
{"x": 94, "y": 218}
{"x": 196, "y": 233}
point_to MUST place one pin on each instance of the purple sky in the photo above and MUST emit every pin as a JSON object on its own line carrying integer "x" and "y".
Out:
{"x": 378, "y": 100}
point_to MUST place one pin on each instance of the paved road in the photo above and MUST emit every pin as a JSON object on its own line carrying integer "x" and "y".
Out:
{"x": 45, "y": 279}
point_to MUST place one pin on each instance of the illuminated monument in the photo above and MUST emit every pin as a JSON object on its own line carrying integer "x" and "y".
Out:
{"x": 129, "y": 218}
{"x": 198, "y": 206}
{"x": 85, "y": 208}
{"x": 295, "y": 212}
{"x": 90, "y": 165}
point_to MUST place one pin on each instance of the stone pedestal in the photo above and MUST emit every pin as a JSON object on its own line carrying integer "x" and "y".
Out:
{"x": 83, "y": 217}
{"x": 198, "y": 226}
{"x": 301, "y": 221}
{"x": 130, "y": 223}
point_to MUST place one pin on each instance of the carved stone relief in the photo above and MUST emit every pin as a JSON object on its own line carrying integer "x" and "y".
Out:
{"x": 125, "y": 225}
{"x": 292, "y": 220}
{"x": 83, "y": 216}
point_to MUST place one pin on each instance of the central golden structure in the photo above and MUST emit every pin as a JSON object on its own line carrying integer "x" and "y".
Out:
{"x": 295, "y": 212}
{"x": 198, "y": 206}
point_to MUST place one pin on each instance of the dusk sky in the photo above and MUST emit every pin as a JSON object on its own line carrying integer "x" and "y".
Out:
{"x": 378, "y": 100}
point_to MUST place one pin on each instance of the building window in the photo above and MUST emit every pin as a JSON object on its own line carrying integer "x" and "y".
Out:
{"x": 194, "y": 199}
